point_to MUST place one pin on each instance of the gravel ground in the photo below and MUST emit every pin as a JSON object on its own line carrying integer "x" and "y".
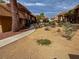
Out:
{"x": 27, "y": 47}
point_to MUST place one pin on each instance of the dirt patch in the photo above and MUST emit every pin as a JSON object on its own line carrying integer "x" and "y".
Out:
{"x": 27, "y": 48}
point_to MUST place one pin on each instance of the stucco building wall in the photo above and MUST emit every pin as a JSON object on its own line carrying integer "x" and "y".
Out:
{"x": 5, "y": 24}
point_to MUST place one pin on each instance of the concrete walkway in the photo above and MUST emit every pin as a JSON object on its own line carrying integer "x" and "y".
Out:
{"x": 11, "y": 39}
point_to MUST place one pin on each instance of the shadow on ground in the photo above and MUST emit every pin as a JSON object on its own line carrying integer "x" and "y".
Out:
{"x": 73, "y": 56}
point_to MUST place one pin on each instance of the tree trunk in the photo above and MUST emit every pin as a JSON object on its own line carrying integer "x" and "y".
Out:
{"x": 15, "y": 16}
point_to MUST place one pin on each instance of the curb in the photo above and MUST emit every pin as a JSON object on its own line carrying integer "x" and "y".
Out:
{"x": 11, "y": 39}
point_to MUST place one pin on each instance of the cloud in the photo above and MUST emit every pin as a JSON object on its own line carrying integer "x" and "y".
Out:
{"x": 50, "y": 7}
{"x": 45, "y": 13}
{"x": 65, "y": 7}
{"x": 36, "y": 13}
{"x": 7, "y": 1}
{"x": 49, "y": 12}
{"x": 35, "y": 4}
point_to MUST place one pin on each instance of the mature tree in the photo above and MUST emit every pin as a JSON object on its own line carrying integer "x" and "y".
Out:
{"x": 15, "y": 16}
{"x": 42, "y": 14}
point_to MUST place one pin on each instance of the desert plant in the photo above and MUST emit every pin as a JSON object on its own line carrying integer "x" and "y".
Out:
{"x": 47, "y": 28}
{"x": 58, "y": 30}
{"x": 52, "y": 23}
{"x": 46, "y": 24}
{"x": 68, "y": 30}
{"x": 60, "y": 24}
{"x": 44, "y": 42}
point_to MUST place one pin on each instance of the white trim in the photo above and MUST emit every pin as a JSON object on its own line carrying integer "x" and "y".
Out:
{"x": 0, "y": 29}
{"x": 11, "y": 39}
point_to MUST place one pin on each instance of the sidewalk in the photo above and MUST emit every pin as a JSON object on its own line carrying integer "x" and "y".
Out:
{"x": 11, "y": 39}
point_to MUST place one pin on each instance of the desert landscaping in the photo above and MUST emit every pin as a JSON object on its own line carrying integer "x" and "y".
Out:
{"x": 28, "y": 48}
{"x": 37, "y": 29}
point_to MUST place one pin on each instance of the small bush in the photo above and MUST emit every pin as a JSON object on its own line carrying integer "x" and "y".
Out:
{"x": 46, "y": 24}
{"x": 68, "y": 30}
{"x": 60, "y": 24}
{"x": 47, "y": 28}
{"x": 58, "y": 30}
{"x": 44, "y": 42}
{"x": 67, "y": 36}
{"x": 52, "y": 24}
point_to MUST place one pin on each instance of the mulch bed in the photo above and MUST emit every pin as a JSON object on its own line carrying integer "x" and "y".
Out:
{"x": 8, "y": 34}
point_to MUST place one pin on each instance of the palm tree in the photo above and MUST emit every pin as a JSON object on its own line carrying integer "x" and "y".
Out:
{"x": 15, "y": 16}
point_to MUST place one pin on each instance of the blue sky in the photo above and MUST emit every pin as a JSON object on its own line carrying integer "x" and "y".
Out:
{"x": 49, "y": 7}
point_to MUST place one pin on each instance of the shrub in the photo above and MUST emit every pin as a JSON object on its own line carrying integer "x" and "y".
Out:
{"x": 58, "y": 30}
{"x": 52, "y": 24}
{"x": 68, "y": 30}
{"x": 60, "y": 24}
{"x": 47, "y": 28}
{"x": 44, "y": 42}
{"x": 46, "y": 24}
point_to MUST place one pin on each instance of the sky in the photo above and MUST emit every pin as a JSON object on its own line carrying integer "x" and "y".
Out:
{"x": 49, "y": 7}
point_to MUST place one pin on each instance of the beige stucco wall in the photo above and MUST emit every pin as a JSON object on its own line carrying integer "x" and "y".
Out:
{"x": 6, "y": 23}
{"x": 0, "y": 27}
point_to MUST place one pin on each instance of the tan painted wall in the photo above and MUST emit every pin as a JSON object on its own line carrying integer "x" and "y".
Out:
{"x": 0, "y": 27}
{"x": 6, "y": 23}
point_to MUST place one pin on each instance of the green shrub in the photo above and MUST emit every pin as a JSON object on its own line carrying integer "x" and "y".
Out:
{"x": 52, "y": 23}
{"x": 47, "y": 29}
{"x": 46, "y": 24}
{"x": 60, "y": 24}
{"x": 44, "y": 42}
{"x": 68, "y": 30}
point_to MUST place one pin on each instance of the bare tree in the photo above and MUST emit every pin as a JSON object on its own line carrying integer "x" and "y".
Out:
{"x": 15, "y": 16}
